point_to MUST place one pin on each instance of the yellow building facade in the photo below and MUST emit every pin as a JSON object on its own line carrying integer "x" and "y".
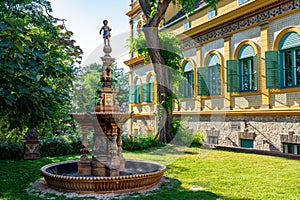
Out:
{"x": 242, "y": 69}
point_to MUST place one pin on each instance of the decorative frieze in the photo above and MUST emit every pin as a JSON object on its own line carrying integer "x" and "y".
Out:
{"x": 256, "y": 17}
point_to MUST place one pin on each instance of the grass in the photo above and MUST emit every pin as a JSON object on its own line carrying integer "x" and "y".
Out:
{"x": 223, "y": 175}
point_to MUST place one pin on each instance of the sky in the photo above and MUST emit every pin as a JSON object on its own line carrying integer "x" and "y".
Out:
{"x": 84, "y": 18}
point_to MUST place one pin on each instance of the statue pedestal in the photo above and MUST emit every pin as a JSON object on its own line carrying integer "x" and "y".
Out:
{"x": 31, "y": 145}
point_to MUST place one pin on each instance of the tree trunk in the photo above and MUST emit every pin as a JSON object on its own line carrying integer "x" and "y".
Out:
{"x": 163, "y": 84}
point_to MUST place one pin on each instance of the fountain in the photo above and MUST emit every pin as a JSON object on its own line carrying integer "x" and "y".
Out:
{"x": 107, "y": 171}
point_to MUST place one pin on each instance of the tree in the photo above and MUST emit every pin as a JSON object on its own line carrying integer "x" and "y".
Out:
{"x": 154, "y": 11}
{"x": 37, "y": 65}
{"x": 121, "y": 83}
{"x": 89, "y": 81}
{"x": 170, "y": 48}
{"x": 85, "y": 91}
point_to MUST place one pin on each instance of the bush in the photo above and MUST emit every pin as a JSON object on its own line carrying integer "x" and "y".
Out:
{"x": 54, "y": 146}
{"x": 198, "y": 139}
{"x": 10, "y": 150}
{"x": 132, "y": 143}
{"x": 61, "y": 145}
{"x": 183, "y": 137}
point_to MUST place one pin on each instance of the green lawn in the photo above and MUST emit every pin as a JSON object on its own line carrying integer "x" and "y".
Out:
{"x": 221, "y": 174}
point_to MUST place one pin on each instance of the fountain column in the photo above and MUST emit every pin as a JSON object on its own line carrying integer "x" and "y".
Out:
{"x": 84, "y": 164}
{"x": 114, "y": 165}
{"x": 100, "y": 148}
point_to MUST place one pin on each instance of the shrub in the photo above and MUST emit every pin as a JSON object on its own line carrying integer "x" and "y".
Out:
{"x": 198, "y": 139}
{"x": 132, "y": 143}
{"x": 10, "y": 150}
{"x": 182, "y": 136}
{"x": 61, "y": 145}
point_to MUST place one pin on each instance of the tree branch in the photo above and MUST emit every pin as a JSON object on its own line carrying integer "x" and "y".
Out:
{"x": 146, "y": 7}
{"x": 162, "y": 6}
{"x": 161, "y": 10}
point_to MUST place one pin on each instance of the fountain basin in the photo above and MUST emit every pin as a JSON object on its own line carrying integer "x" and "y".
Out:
{"x": 138, "y": 175}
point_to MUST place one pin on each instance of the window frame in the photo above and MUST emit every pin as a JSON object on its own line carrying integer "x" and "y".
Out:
{"x": 211, "y": 13}
{"x": 148, "y": 90}
{"x": 188, "y": 84}
{"x": 240, "y": 2}
{"x": 214, "y": 83}
{"x": 236, "y": 72}
{"x": 186, "y": 25}
{"x": 295, "y": 148}
{"x": 293, "y": 66}
{"x": 135, "y": 92}
{"x": 212, "y": 139}
{"x": 247, "y": 75}
{"x": 247, "y": 140}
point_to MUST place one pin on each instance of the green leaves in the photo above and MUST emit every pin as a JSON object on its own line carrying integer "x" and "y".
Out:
{"x": 37, "y": 65}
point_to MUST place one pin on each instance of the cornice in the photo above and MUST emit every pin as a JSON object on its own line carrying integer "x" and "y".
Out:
{"x": 238, "y": 20}
{"x": 253, "y": 112}
{"x": 133, "y": 10}
{"x": 134, "y": 61}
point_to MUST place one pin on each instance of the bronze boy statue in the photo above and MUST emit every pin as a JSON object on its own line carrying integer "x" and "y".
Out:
{"x": 106, "y": 32}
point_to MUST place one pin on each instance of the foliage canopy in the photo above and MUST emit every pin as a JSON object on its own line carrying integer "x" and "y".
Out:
{"x": 37, "y": 65}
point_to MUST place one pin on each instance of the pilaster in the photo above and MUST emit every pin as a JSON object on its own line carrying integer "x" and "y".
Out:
{"x": 227, "y": 56}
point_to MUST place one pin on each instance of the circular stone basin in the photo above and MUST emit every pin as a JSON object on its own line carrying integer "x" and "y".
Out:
{"x": 138, "y": 175}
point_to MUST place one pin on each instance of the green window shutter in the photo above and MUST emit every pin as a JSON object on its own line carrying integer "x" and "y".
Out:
{"x": 203, "y": 82}
{"x": 137, "y": 94}
{"x": 151, "y": 92}
{"x": 181, "y": 87}
{"x": 233, "y": 78}
{"x": 145, "y": 92}
{"x": 255, "y": 72}
{"x": 191, "y": 85}
{"x": 132, "y": 96}
{"x": 272, "y": 67}
{"x": 187, "y": 86}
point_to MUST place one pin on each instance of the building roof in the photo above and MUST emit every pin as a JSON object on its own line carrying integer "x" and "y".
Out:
{"x": 198, "y": 4}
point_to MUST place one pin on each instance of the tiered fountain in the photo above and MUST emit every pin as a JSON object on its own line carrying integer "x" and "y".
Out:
{"x": 107, "y": 171}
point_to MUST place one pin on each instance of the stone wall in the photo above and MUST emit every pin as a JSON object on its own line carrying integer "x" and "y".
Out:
{"x": 267, "y": 132}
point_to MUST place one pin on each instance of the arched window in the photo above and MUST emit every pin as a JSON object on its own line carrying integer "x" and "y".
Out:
{"x": 209, "y": 77}
{"x": 283, "y": 66}
{"x": 188, "y": 73}
{"x": 148, "y": 90}
{"x": 139, "y": 27}
{"x": 290, "y": 54}
{"x": 242, "y": 73}
{"x": 135, "y": 92}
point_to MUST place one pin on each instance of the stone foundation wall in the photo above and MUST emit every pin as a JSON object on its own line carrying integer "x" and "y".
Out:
{"x": 267, "y": 132}
{"x": 143, "y": 126}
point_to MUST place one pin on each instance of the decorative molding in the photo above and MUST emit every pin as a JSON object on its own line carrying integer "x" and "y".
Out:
{"x": 253, "y": 18}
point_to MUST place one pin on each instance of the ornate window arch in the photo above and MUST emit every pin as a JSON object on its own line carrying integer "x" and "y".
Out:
{"x": 209, "y": 77}
{"x": 188, "y": 68}
{"x": 283, "y": 63}
{"x": 148, "y": 89}
{"x": 242, "y": 73}
{"x": 135, "y": 91}
{"x": 139, "y": 26}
